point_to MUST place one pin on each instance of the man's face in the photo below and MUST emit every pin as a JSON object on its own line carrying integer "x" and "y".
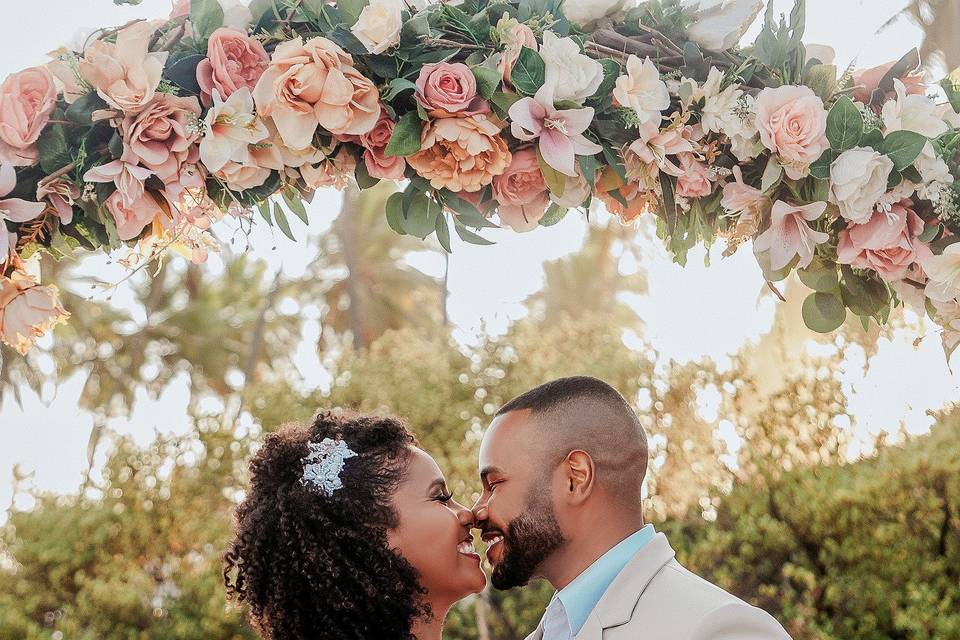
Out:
{"x": 515, "y": 511}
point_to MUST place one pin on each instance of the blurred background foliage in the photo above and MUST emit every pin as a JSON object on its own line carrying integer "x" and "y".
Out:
{"x": 864, "y": 549}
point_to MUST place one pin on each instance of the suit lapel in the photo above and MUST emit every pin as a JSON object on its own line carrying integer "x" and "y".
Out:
{"x": 592, "y": 629}
{"x": 620, "y": 599}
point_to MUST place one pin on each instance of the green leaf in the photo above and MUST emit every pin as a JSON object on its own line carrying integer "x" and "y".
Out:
{"x": 554, "y": 180}
{"x": 554, "y": 214}
{"x": 951, "y": 86}
{"x": 349, "y": 42}
{"x": 397, "y": 86}
{"x": 420, "y": 218}
{"x": 405, "y": 140}
{"x": 53, "y": 149}
{"x": 909, "y": 62}
{"x": 281, "y": 219}
{"x": 469, "y": 236}
{"x": 295, "y": 203}
{"x": 819, "y": 275}
{"x": 820, "y": 168}
{"x": 488, "y": 81}
{"x": 394, "y": 210}
{"x": 873, "y": 139}
{"x": 903, "y": 147}
{"x": 363, "y": 177}
{"x": 931, "y": 234}
{"x": 503, "y": 101}
{"x": 206, "y": 16}
{"x": 443, "y": 233}
{"x": 528, "y": 72}
{"x": 264, "y": 209}
{"x": 823, "y": 312}
{"x": 822, "y": 79}
{"x": 82, "y": 109}
{"x": 844, "y": 125}
{"x": 351, "y": 9}
{"x": 865, "y": 296}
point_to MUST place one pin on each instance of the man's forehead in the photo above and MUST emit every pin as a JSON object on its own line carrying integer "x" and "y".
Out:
{"x": 505, "y": 436}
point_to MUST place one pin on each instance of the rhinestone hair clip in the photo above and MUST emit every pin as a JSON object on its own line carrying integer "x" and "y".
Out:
{"x": 323, "y": 465}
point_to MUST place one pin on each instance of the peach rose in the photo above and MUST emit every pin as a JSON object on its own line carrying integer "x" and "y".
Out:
{"x": 234, "y": 60}
{"x": 315, "y": 82}
{"x": 64, "y": 68}
{"x": 132, "y": 219}
{"x": 888, "y": 243}
{"x": 375, "y": 142}
{"x": 335, "y": 172}
{"x": 461, "y": 154}
{"x": 164, "y": 135}
{"x": 792, "y": 123}
{"x": 241, "y": 177}
{"x": 27, "y": 99}
{"x": 521, "y": 192}
{"x": 27, "y": 310}
{"x": 448, "y": 88}
{"x": 514, "y": 36}
{"x": 866, "y": 81}
{"x": 696, "y": 179}
{"x": 125, "y": 73}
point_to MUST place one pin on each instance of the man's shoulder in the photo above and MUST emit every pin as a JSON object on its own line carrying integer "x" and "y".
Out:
{"x": 697, "y": 594}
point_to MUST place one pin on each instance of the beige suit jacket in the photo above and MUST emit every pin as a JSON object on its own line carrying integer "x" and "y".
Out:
{"x": 655, "y": 598}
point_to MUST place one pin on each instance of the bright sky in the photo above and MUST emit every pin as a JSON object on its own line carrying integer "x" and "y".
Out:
{"x": 689, "y": 313}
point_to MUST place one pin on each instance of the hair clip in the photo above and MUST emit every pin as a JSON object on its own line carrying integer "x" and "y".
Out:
{"x": 322, "y": 467}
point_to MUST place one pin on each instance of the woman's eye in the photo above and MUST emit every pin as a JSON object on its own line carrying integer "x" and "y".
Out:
{"x": 445, "y": 497}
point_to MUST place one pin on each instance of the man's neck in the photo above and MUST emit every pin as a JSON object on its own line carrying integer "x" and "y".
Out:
{"x": 583, "y": 550}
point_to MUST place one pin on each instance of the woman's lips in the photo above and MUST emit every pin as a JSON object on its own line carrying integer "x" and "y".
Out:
{"x": 466, "y": 548}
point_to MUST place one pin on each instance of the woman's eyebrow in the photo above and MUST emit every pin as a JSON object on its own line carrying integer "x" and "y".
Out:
{"x": 438, "y": 482}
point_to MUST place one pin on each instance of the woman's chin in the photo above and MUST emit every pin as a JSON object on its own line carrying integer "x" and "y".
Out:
{"x": 474, "y": 578}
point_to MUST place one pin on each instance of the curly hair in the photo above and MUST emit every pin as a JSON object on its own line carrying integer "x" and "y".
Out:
{"x": 315, "y": 567}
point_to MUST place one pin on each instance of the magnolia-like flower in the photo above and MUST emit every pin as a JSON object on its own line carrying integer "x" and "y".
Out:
{"x": 378, "y": 27}
{"x": 789, "y": 234}
{"x": 125, "y": 172}
{"x": 642, "y": 90}
{"x": 13, "y": 209}
{"x": 560, "y": 131}
{"x": 916, "y": 113}
{"x": 574, "y": 75}
{"x": 719, "y": 24}
{"x": 229, "y": 128}
{"x": 858, "y": 180}
{"x": 944, "y": 274}
{"x": 125, "y": 73}
{"x": 584, "y": 13}
{"x": 27, "y": 310}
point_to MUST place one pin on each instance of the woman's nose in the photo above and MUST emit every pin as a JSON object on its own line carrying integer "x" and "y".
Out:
{"x": 464, "y": 515}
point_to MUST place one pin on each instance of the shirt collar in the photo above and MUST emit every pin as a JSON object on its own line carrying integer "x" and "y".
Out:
{"x": 584, "y": 592}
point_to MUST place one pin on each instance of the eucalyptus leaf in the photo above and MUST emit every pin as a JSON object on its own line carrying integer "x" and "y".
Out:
{"x": 823, "y": 312}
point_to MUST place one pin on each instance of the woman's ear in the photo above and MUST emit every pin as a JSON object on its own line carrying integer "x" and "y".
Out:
{"x": 580, "y": 476}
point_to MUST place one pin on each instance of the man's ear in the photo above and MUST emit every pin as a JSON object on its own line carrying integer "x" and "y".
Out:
{"x": 580, "y": 476}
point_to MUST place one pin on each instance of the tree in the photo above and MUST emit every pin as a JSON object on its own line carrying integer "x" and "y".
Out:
{"x": 939, "y": 20}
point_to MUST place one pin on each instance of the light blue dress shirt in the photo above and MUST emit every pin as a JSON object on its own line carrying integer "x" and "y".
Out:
{"x": 584, "y": 592}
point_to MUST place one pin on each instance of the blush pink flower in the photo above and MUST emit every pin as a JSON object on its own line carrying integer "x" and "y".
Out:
{"x": 180, "y": 9}
{"x": 514, "y": 36}
{"x": 521, "y": 192}
{"x": 335, "y": 172}
{"x": 792, "y": 123}
{"x": 234, "y": 60}
{"x": 696, "y": 179}
{"x": 14, "y": 209}
{"x": 240, "y": 177}
{"x": 375, "y": 143}
{"x": 739, "y": 197}
{"x": 866, "y": 81}
{"x": 164, "y": 135}
{"x": 888, "y": 243}
{"x": 560, "y": 132}
{"x": 655, "y": 148}
{"x": 789, "y": 234}
{"x": 27, "y": 310}
{"x": 27, "y": 99}
{"x": 61, "y": 194}
{"x": 125, "y": 74}
{"x": 315, "y": 83}
{"x": 448, "y": 89}
{"x": 132, "y": 219}
{"x": 125, "y": 173}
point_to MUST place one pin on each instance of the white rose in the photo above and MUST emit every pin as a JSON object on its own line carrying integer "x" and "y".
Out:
{"x": 858, "y": 180}
{"x": 719, "y": 24}
{"x": 642, "y": 90}
{"x": 378, "y": 26}
{"x": 912, "y": 113}
{"x": 584, "y": 13}
{"x": 573, "y": 75}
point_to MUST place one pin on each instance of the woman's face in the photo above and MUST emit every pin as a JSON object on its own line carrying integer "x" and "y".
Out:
{"x": 434, "y": 533}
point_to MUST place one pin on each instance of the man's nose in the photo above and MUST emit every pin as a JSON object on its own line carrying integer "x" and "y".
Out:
{"x": 480, "y": 511}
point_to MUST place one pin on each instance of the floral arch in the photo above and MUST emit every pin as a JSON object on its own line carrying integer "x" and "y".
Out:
{"x": 491, "y": 113}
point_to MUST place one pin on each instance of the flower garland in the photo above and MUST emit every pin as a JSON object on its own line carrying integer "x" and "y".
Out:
{"x": 494, "y": 113}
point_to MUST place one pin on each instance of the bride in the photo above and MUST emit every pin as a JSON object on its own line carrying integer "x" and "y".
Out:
{"x": 348, "y": 531}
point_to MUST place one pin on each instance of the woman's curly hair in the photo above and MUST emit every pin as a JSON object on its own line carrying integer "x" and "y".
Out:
{"x": 315, "y": 567}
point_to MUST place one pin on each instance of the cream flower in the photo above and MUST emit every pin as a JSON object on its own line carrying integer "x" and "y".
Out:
{"x": 858, "y": 180}
{"x": 944, "y": 273}
{"x": 916, "y": 113}
{"x": 27, "y": 310}
{"x": 229, "y": 128}
{"x": 378, "y": 26}
{"x": 573, "y": 75}
{"x": 642, "y": 90}
{"x": 124, "y": 73}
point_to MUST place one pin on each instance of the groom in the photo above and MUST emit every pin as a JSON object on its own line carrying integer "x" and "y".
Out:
{"x": 561, "y": 467}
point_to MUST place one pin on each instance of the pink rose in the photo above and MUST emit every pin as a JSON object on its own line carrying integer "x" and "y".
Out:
{"x": 887, "y": 243}
{"x": 695, "y": 181}
{"x": 234, "y": 60}
{"x": 514, "y": 37}
{"x": 164, "y": 135}
{"x": 335, "y": 172}
{"x": 125, "y": 73}
{"x": 448, "y": 88}
{"x": 133, "y": 219}
{"x": 315, "y": 83}
{"x": 375, "y": 142}
{"x": 866, "y": 81}
{"x": 792, "y": 123}
{"x": 27, "y": 99}
{"x": 241, "y": 177}
{"x": 61, "y": 194}
{"x": 521, "y": 192}
{"x": 27, "y": 310}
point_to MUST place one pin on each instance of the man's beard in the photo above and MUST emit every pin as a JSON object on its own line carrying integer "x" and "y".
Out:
{"x": 529, "y": 540}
